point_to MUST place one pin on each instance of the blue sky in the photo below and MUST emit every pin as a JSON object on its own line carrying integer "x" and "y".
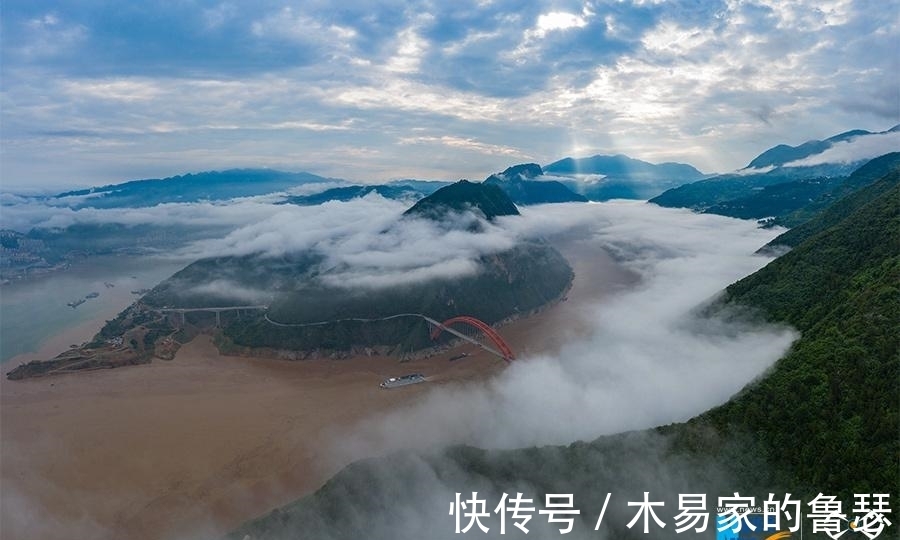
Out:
{"x": 99, "y": 91}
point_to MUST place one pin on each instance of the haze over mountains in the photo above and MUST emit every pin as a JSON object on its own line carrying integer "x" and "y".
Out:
{"x": 785, "y": 155}
{"x": 600, "y": 177}
{"x": 603, "y": 177}
{"x": 783, "y": 180}
{"x": 823, "y": 419}
{"x": 46, "y": 232}
{"x": 211, "y": 185}
{"x": 315, "y": 297}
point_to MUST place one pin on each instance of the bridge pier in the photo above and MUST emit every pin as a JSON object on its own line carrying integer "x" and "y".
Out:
{"x": 217, "y": 310}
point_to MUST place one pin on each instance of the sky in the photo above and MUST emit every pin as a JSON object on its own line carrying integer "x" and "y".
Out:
{"x": 94, "y": 92}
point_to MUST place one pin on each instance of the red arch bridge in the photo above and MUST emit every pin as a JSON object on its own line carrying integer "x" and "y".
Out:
{"x": 467, "y": 328}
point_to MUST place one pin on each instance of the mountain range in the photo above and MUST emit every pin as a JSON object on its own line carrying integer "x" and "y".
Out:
{"x": 784, "y": 154}
{"x": 211, "y": 185}
{"x": 488, "y": 200}
{"x": 823, "y": 419}
{"x": 398, "y": 191}
{"x": 604, "y": 177}
{"x": 307, "y": 314}
{"x": 524, "y": 185}
{"x": 599, "y": 177}
{"x": 776, "y": 184}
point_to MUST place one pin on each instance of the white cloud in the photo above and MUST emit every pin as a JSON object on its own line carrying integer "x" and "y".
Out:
{"x": 854, "y": 150}
{"x": 302, "y": 28}
{"x": 557, "y": 20}
{"x": 50, "y": 35}
{"x": 647, "y": 360}
{"x": 227, "y": 289}
{"x": 365, "y": 242}
{"x": 554, "y": 21}
{"x": 672, "y": 39}
{"x": 410, "y": 49}
{"x": 467, "y": 144}
{"x": 25, "y": 214}
{"x": 709, "y": 87}
{"x": 126, "y": 90}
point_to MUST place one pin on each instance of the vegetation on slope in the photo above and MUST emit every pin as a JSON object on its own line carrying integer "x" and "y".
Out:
{"x": 824, "y": 419}
{"x": 462, "y": 196}
{"x": 519, "y": 183}
{"x": 882, "y": 173}
{"x": 510, "y": 283}
{"x": 775, "y": 200}
{"x": 828, "y": 413}
{"x": 789, "y": 196}
{"x": 719, "y": 190}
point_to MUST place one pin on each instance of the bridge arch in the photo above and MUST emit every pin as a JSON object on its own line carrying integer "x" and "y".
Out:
{"x": 483, "y": 327}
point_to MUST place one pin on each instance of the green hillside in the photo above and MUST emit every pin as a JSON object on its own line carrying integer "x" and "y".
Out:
{"x": 883, "y": 171}
{"x": 777, "y": 193}
{"x": 823, "y": 419}
{"x": 786, "y": 196}
{"x": 509, "y": 283}
{"x": 505, "y": 284}
{"x": 827, "y": 415}
{"x": 488, "y": 199}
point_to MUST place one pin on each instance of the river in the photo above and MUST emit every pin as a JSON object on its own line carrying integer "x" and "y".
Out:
{"x": 34, "y": 310}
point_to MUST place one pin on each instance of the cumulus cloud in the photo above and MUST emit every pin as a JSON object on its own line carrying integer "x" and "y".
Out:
{"x": 269, "y": 85}
{"x": 854, "y": 150}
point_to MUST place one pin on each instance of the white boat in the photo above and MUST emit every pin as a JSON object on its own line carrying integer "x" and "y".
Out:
{"x": 394, "y": 382}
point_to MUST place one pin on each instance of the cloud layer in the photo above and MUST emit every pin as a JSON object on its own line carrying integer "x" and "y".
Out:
{"x": 649, "y": 359}
{"x": 854, "y": 150}
{"x": 95, "y": 93}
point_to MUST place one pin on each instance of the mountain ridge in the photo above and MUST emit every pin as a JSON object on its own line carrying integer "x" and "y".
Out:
{"x": 622, "y": 165}
{"x": 190, "y": 187}
{"x": 784, "y": 154}
{"x": 783, "y": 196}
{"x": 823, "y": 419}
{"x": 488, "y": 199}
{"x": 521, "y": 184}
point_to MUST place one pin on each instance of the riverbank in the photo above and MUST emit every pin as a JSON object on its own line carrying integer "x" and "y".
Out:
{"x": 194, "y": 446}
{"x": 36, "y": 323}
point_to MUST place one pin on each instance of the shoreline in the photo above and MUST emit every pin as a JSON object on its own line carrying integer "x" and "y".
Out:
{"x": 36, "y": 322}
{"x": 57, "y": 343}
{"x": 195, "y": 446}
